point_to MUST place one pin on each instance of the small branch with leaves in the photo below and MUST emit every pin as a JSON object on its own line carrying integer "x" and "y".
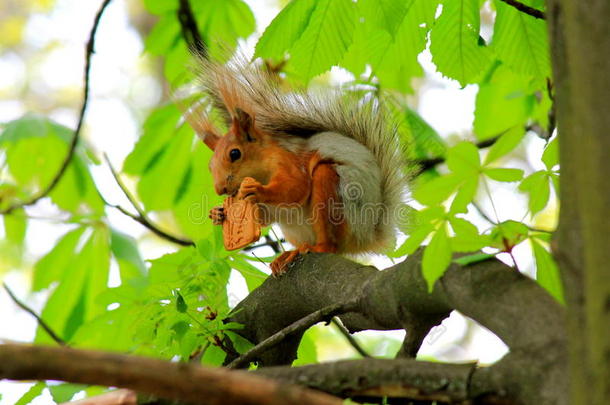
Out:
{"x": 90, "y": 49}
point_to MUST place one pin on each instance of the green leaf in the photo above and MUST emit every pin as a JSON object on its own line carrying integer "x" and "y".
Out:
{"x": 505, "y": 144}
{"x": 508, "y": 234}
{"x": 15, "y": 226}
{"x": 307, "y": 352}
{"x": 455, "y": 47}
{"x": 538, "y": 187}
{"x": 125, "y": 250}
{"x": 395, "y": 61}
{"x": 64, "y": 392}
{"x": 503, "y": 174}
{"x": 163, "y": 36}
{"x": 437, "y": 257}
{"x": 180, "y": 304}
{"x": 155, "y": 191}
{"x": 176, "y": 59}
{"x": 463, "y": 159}
{"x": 504, "y": 102}
{"x": 326, "y": 38}
{"x": 44, "y": 145}
{"x": 53, "y": 266}
{"x": 465, "y": 195}
{"x": 472, "y": 259}
{"x": 547, "y": 272}
{"x": 550, "y": 156}
{"x": 521, "y": 41}
{"x": 414, "y": 241}
{"x": 427, "y": 141}
{"x": 253, "y": 276}
{"x": 83, "y": 279}
{"x": 159, "y": 128}
{"x": 467, "y": 238}
{"x": 437, "y": 190}
{"x": 213, "y": 356}
{"x": 222, "y": 23}
{"x": 34, "y": 391}
{"x": 160, "y": 6}
{"x": 285, "y": 29}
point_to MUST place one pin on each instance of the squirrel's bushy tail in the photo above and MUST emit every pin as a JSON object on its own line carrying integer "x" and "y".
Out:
{"x": 290, "y": 115}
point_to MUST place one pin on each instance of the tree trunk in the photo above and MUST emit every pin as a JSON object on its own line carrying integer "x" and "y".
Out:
{"x": 580, "y": 42}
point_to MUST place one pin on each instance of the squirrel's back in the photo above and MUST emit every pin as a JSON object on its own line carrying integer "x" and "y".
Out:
{"x": 355, "y": 133}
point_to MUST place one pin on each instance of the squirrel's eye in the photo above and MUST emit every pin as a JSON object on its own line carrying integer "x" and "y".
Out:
{"x": 234, "y": 154}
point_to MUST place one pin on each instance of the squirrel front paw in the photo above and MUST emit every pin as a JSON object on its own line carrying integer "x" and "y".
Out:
{"x": 249, "y": 189}
{"x": 217, "y": 215}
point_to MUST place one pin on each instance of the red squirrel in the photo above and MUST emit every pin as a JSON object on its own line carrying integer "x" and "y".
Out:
{"x": 328, "y": 169}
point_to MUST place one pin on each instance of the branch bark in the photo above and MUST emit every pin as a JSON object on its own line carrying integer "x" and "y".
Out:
{"x": 179, "y": 381}
{"x": 524, "y": 8}
{"x": 397, "y": 298}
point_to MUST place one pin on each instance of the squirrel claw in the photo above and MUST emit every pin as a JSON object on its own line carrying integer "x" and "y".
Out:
{"x": 249, "y": 189}
{"x": 280, "y": 264}
{"x": 217, "y": 215}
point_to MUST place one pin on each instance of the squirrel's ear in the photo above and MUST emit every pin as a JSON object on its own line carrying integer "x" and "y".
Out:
{"x": 243, "y": 125}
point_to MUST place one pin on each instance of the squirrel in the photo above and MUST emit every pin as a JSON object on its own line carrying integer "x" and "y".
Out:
{"x": 329, "y": 169}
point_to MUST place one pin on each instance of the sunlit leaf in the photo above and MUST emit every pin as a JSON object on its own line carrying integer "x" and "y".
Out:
{"x": 285, "y": 29}
{"x": 521, "y": 41}
{"x": 550, "y": 156}
{"x": 547, "y": 272}
{"x": 456, "y": 49}
{"x": 437, "y": 256}
{"x": 505, "y": 144}
{"x": 326, "y": 38}
{"x": 503, "y": 174}
{"x": 538, "y": 187}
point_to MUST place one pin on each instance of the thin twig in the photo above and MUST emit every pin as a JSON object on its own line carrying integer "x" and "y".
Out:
{"x": 153, "y": 228}
{"x": 142, "y": 218}
{"x": 427, "y": 164}
{"x": 72, "y": 148}
{"x": 352, "y": 341}
{"x": 524, "y": 8}
{"x": 190, "y": 31}
{"x": 40, "y": 321}
{"x": 301, "y": 325}
{"x": 270, "y": 242}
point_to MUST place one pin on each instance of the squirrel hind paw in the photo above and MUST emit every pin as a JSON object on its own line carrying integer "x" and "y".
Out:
{"x": 280, "y": 264}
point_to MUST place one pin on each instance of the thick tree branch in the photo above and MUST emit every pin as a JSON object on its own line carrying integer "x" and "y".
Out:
{"x": 90, "y": 49}
{"x": 180, "y": 381}
{"x": 397, "y": 298}
{"x": 524, "y": 8}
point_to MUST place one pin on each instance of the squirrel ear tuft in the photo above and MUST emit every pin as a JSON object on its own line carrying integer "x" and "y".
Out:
{"x": 243, "y": 124}
{"x": 210, "y": 139}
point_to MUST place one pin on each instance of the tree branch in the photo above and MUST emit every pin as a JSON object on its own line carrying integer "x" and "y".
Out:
{"x": 524, "y": 8}
{"x": 348, "y": 336}
{"x": 300, "y": 326}
{"x": 142, "y": 218}
{"x": 180, "y": 381}
{"x": 90, "y": 49}
{"x": 489, "y": 292}
{"x": 39, "y": 320}
{"x": 190, "y": 31}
